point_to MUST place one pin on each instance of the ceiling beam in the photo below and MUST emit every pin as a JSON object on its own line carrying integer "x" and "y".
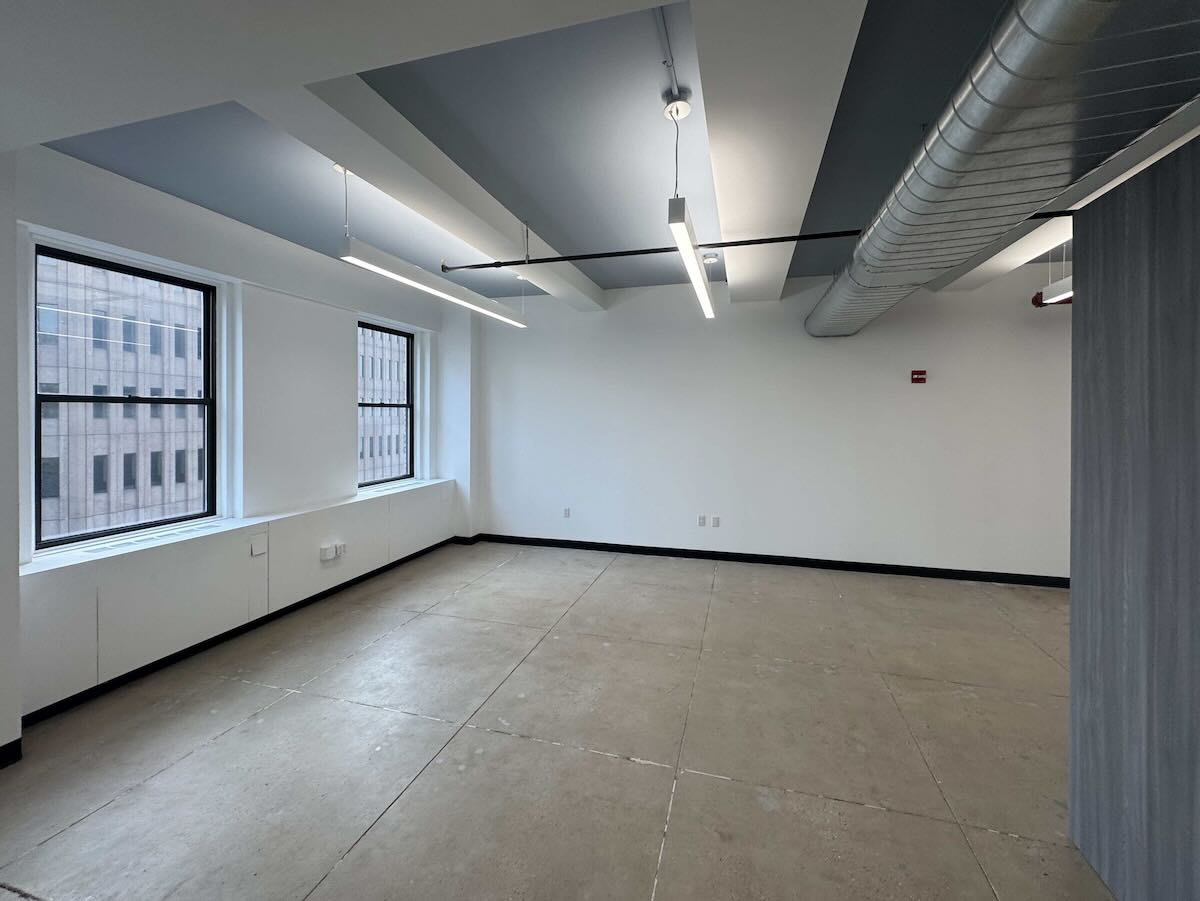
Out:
{"x": 70, "y": 67}
{"x": 772, "y": 75}
{"x": 349, "y": 123}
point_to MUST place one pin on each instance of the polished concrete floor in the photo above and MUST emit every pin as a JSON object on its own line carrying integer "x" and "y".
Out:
{"x": 497, "y": 722}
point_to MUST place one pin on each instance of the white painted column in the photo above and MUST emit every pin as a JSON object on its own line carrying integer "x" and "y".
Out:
{"x": 454, "y": 400}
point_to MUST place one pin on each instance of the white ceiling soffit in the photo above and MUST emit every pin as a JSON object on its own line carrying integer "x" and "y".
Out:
{"x": 1033, "y": 238}
{"x": 346, "y": 121}
{"x": 1028, "y": 241}
{"x": 772, "y": 75}
{"x": 69, "y": 66}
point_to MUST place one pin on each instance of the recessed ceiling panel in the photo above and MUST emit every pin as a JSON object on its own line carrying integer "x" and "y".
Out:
{"x": 230, "y": 161}
{"x": 566, "y": 130}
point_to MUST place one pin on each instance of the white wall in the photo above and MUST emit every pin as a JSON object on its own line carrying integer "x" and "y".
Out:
{"x": 10, "y": 609}
{"x": 89, "y": 617}
{"x": 641, "y": 418}
{"x": 58, "y": 192}
{"x": 299, "y": 402}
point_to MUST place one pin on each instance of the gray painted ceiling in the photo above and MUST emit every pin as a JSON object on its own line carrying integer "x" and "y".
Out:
{"x": 230, "y": 161}
{"x": 909, "y": 57}
{"x": 566, "y": 129}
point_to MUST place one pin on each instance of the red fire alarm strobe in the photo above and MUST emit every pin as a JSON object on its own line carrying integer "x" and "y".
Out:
{"x": 918, "y": 376}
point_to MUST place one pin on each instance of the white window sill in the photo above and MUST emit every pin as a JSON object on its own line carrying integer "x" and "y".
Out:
{"x": 131, "y": 542}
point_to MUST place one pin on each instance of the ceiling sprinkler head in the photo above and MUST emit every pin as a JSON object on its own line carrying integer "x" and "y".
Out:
{"x": 710, "y": 258}
{"x": 677, "y": 110}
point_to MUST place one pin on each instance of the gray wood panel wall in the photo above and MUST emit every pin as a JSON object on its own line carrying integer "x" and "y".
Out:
{"x": 1135, "y": 534}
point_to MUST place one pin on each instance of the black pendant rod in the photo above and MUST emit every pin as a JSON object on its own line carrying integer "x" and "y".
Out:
{"x": 646, "y": 251}
{"x": 715, "y": 245}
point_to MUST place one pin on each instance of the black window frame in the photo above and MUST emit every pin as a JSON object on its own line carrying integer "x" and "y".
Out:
{"x": 408, "y": 395}
{"x": 207, "y": 401}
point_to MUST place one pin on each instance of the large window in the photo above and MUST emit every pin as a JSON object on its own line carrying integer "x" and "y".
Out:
{"x": 385, "y": 410}
{"x": 100, "y": 334}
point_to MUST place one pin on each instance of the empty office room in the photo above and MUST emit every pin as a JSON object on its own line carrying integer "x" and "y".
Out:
{"x": 731, "y": 449}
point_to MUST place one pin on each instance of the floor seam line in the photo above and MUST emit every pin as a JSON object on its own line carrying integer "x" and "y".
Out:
{"x": 885, "y": 672}
{"x": 453, "y": 735}
{"x": 1033, "y": 641}
{"x": 470, "y": 583}
{"x": 662, "y": 847}
{"x": 616, "y": 755}
{"x": 359, "y": 650}
{"x": 417, "y": 614}
{"x": 957, "y": 822}
{"x": 131, "y": 787}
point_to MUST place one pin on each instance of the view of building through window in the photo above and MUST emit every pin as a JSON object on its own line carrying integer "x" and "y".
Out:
{"x": 108, "y": 339}
{"x": 385, "y": 412}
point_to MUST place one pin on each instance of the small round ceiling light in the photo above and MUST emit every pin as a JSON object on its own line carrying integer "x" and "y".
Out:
{"x": 710, "y": 259}
{"x": 677, "y": 110}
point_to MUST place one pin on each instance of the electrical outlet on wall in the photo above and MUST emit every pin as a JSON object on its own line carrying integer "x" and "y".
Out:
{"x": 716, "y": 521}
{"x": 701, "y": 520}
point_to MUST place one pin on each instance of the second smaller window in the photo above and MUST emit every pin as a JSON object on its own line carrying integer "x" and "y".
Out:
{"x": 385, "y": 408}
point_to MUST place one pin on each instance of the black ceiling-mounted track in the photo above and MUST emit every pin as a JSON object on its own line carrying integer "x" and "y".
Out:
{"x": 715, "y": 245}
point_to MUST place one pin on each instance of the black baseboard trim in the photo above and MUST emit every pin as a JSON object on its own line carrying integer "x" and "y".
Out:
{"x": 10, "y": 753}
{"x": 888, "y": 569}
{"x": 96, "y": 691}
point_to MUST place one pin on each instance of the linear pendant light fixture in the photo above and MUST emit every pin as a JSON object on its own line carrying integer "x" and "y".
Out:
{"x": 678, "y": 220}
{"x": 685, "y": 239}
{"x": 367, "y": 256}
{"x": 1057, "y": 292}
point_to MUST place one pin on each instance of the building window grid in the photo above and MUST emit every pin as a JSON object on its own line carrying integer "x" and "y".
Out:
{"x": 48, "y": 400}
{"x": 372, "y": 340}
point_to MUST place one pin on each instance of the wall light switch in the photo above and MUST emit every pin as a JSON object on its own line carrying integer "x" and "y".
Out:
{"x": 566, "y": 512}
{"x": 328, "y": 552}
{"x": 700, "y": 520}
{"x": 258, "y": 545}
{"x": 341, "y": 549}
{"x": 716, "y": 521}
